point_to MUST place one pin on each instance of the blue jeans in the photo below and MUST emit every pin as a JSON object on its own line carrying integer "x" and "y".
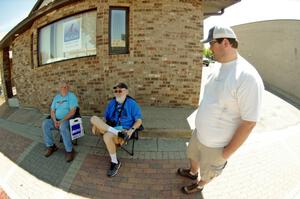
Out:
{"x": 64, "y": 130}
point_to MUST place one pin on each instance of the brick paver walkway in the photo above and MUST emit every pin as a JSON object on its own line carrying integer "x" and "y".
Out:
{"x": 150, "y": 173}
{"x": 265, "y": 167}
{"x": 12, "y": 145}
{"x": 136, "y": 179}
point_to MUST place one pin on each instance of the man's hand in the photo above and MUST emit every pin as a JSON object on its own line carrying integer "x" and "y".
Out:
{"x": 239, "y": 137}
{"x": 56, "y": 124}
{"x": 130, "y": 132}
{"x": 226, "y": 154}
{"x": 124, "y": 135}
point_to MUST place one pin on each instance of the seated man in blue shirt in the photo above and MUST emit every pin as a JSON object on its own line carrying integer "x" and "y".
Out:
{"x": 63, "y": 107}
{"x": 123, "y": 116}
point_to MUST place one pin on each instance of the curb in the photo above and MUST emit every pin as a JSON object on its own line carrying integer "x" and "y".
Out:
{"x": 166, "y": 133}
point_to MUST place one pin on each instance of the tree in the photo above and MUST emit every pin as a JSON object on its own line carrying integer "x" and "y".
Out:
{"x": 207, "y": 53}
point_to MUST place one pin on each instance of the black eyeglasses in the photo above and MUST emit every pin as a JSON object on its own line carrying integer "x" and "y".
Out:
{"x": 213, "y": 42}
{"x": 118, "y": 91}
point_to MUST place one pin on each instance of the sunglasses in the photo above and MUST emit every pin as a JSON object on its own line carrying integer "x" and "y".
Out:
{"x": 118, "y": 91}
{"x": 212, "y": 42}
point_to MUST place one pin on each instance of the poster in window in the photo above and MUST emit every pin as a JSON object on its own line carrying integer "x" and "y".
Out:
{"x": 72, "y": 35}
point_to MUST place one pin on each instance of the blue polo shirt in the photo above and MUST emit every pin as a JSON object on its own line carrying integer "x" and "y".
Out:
{"x": 63, "y": 104}
{"x": 130, "y": 113}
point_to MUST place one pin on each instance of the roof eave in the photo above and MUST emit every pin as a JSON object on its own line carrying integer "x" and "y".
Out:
{"x": 36, "y": 6}
{"x": 213, "y": 8}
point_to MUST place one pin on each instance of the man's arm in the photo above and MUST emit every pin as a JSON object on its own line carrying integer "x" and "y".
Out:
{"x": 137, "y": 114}
{"x": 240, "y": 135}
{"x": 135, "y": 126}
{"x": 73, "y": 106}
{"x": 56, "y": 123}
{"x": 69, "y": 115}
{"x": 52, "y": 114}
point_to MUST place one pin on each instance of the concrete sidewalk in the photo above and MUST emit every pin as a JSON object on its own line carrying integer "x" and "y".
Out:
{"x": 266, "y": 166}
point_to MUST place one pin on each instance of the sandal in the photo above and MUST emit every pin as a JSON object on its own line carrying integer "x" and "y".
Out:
{"x": 193, "y": 188}
{"x": 186, "y": 173}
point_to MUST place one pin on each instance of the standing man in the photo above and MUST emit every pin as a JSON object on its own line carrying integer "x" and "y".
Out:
{"x": 63, "y": 107}
{"x": 123, "y": 116}
{"x": 228, "y": 112}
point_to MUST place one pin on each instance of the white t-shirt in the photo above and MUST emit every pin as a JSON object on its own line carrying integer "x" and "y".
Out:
{"x": 233, "y": 92}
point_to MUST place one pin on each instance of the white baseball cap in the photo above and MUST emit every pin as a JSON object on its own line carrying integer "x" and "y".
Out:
{"x": 219, "y": 32}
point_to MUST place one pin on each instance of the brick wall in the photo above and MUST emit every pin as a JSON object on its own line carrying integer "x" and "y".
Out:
{"x": 163, "y": 67}
{"x": 1, "y": 69}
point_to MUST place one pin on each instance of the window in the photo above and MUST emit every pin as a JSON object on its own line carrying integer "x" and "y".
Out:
{"x": 68, "y": 38}
{"x": 118, "y": 30}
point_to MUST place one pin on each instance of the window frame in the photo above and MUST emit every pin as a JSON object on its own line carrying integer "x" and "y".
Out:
{"x": 124, "y": 50}
{"x": 39, "y": 64}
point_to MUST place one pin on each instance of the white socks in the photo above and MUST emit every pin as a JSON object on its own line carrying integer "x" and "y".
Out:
{"x": 193, "y": 173}
{"x": 113, "y": 130}
{"x": 114, "y": 158}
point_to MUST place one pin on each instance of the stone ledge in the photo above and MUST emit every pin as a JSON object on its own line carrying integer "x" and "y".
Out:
{"x": 166, "y": 133}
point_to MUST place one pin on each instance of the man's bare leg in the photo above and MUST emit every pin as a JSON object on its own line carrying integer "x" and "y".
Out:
{"x": 194, "y": 169}
{"x": 99, "y": 125}
{"x": 199, "y": 185}
{"x": 110, "y": 139}
{"x": 194, "y": 166}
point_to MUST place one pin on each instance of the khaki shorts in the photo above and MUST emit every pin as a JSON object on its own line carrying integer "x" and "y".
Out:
{"x": 210, "y": 160}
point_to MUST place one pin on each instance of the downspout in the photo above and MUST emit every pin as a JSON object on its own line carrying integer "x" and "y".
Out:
{"x": 208, "y": 14}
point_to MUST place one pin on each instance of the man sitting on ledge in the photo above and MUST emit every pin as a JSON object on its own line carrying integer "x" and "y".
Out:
{"x": 123, "y": 116}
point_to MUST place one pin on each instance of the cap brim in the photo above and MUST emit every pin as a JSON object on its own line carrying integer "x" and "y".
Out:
{"x": 119, "y": 86}
{"x": 210, "y": 36}
{"x": 206, "y": 40}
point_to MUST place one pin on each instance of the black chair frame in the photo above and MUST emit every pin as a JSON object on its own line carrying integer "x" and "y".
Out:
{"x": 134, "y": 136}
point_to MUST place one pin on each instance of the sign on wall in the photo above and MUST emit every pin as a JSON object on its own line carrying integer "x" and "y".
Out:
{"x": 72, "y": 35}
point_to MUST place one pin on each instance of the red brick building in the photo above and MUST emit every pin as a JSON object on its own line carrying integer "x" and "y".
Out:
{"x": 154, "y": 46}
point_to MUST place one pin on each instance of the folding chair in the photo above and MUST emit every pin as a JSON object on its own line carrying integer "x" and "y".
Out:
{"x": 134, "y": 136}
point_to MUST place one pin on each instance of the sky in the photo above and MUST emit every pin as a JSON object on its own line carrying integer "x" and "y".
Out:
{"x": 14, "y": 11}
